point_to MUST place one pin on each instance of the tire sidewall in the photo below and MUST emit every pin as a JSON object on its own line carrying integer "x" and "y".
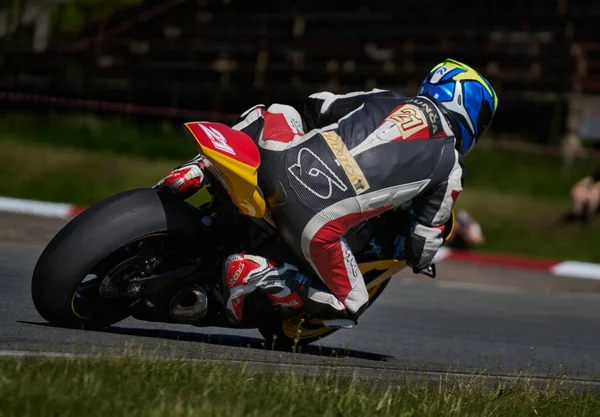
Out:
{"x": 93, "y": 235}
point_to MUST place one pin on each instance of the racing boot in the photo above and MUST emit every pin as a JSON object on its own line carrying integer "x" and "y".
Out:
{"x": 185, "y": 180}
{"x": 284, "y": 286}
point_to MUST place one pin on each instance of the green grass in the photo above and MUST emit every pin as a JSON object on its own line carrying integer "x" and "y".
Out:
{"x": 524, "y": 173}
{"x": 521, "y": 225}
{"x": 503, "y": 171}
{"x": 44, "y": 172}
{"x": 162, "y": 139}
{"x": 136, "y": 387}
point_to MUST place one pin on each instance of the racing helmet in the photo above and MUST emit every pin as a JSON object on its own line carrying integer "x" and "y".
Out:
{"x": 466, "y": 96}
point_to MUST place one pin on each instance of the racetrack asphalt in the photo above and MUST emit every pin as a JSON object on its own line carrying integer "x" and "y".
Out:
{"x": 469, "y": 319}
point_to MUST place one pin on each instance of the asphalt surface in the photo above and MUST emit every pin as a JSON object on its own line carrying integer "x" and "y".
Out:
{"x": 470, "y": 319}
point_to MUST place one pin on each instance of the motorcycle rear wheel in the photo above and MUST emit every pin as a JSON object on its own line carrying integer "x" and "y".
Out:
{"x": 81, "y": 250}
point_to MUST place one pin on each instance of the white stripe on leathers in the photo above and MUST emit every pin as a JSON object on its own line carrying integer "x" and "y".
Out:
{"x": 392, "y": 196}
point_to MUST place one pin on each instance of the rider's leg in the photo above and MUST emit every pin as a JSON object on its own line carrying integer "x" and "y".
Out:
{"x": 278, "y": 130}
{"x": 284, "y": 286}
{"x": 272, "y": 127}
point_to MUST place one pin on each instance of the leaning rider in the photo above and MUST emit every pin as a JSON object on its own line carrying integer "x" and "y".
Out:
{"x": 366, "y": 153}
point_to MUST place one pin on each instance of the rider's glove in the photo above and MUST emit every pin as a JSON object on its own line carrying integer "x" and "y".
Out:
{"x": 429, "y": 270}
{"x": 185, "y": 180}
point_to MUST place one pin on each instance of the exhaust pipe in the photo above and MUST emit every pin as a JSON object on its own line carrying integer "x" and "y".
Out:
{"x": 190, "y": 304}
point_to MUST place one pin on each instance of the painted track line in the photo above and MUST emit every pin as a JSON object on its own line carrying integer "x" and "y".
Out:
{"x": 568, "y": 269}
{"x": 39, "y": 208}
{"x": 25, "y": 353}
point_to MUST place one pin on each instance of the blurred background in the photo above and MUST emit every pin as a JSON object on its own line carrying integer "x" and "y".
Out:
{"x": 93, "y": 94}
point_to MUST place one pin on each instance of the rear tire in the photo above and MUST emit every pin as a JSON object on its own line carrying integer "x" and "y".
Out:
{"x": 94, "y": 235}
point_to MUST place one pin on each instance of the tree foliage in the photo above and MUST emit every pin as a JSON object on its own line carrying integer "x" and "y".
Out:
{"x": 72, "y": 16}
{"x": 69, "y": 16}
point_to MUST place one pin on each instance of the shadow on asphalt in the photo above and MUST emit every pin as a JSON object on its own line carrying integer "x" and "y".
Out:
{"x": 243, "y": 341}
{"x": 232, "y": 341}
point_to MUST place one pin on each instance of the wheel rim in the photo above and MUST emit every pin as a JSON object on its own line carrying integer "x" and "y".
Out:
{"x": 298, "y": 327}
{"x": 87, "y": 303}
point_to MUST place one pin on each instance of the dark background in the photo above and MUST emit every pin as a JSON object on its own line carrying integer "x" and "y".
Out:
{"x": 223, "y": 57}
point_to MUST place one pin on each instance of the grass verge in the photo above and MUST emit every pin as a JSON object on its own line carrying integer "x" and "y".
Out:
{"x": 498, "y": 170}
{"x": 153, "y": 387}
{"x": 512, "y": 222}
{"x": 161, "y": 139}
{"x": 44, "y": 172}
{"x": 522, "y": 225}
{"x": 522, "y": 173}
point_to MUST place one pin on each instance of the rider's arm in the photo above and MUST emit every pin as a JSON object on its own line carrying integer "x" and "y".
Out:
{"x": 431, "y": 212}
{"x": 324, "y": 108}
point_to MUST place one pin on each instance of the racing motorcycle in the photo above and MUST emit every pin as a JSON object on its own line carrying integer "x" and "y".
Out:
{"x": 147, "y": 254}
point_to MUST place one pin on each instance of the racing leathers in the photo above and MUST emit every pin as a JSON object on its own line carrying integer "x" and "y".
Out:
{"x": 366, "y": 153}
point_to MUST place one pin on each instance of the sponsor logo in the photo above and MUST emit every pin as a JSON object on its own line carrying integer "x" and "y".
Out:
{"x": 233, "y": 280}
{"x": 217, "y": 139}
{"x": 348, "y": 163}
{"x": 442, "y": 70}
{"x": 310, "y": 171}
{"x": 433, "y": 116}
{"x": 350, "y": 261}
{"x": 295, "y": 124}
{"x": 409, "y": 119}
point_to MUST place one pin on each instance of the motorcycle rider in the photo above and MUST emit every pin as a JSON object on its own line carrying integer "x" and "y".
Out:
{"x": 365, "y": 154}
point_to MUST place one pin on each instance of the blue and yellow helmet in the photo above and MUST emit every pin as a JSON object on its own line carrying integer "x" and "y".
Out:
{"x": 466, "y": 95}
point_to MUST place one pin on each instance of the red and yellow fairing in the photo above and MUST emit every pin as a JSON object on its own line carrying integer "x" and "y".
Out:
{"x": 236, "y": 159}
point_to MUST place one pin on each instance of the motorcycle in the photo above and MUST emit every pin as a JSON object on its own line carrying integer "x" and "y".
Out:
{"x": 147, "y": 254}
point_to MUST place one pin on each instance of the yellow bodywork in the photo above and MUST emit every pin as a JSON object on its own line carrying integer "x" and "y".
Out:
{"x": 241, "y": 180}
{"x": 294, "y": 327}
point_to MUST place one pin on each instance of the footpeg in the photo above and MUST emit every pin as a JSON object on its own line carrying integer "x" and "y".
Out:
{"x": 343, "y": 323}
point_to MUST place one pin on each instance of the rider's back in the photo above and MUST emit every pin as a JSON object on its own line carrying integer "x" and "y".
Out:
{"x": 400, "y": 141}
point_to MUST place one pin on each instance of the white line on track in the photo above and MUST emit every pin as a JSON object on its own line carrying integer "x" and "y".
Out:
{"x": 360, "y": 372}
{"x": 22, "y": 353}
